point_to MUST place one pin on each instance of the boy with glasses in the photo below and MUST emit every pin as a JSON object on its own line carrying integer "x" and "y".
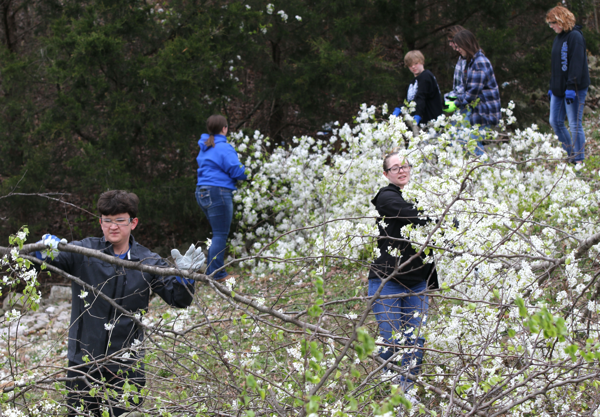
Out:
{"x": 98, "y": 330}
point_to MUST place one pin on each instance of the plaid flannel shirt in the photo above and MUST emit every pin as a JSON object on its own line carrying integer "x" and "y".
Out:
{"x": 457, "y": 82}
{"x": 480, "y": 83}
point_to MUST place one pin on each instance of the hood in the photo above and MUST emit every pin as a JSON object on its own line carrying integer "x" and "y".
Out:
{"x": 564, "y": 33}
{"x": 204, "y": 138}
{"x": 390, "y": 186}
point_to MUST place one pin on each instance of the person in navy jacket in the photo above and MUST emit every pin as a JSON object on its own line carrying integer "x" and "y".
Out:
{"x": 219, "y": 169}
{"x": 569, "y": 81}
{"x": 104, "y": 343}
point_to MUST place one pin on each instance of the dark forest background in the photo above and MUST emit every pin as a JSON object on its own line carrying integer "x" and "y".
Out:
{"x": 113, "y": 94}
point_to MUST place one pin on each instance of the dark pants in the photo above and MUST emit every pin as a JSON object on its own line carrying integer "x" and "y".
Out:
{"x": 101, "y": 378}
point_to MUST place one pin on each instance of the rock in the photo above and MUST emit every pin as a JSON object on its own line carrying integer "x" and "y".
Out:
{"x": 64, "y": 317}
{"x": 50, "y": 310}
{"x": 15, "y": 301}
{"x": 59, "y": 293}
{"x": 588, "y": 110}
{"x": 41, "y": 318}
{"x": 59, "y": 326}
{"x": 592, "y": 61}
{"x": 62, "y": 307}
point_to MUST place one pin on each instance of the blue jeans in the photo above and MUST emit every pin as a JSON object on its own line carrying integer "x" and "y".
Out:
{"x": 398, "y": 314}
{"x": 478, "y": 136}
{"x": 574, "y": 142}
{"x": 474, "y": 134}
{"x": 217, "y": 205}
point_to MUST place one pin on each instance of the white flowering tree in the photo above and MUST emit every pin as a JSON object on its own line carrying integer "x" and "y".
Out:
{"x": 513, "y": 330}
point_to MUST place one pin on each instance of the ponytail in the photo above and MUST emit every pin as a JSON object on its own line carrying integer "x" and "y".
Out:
{"x": 210, "y": 142}
{"x": 215, "y": 125}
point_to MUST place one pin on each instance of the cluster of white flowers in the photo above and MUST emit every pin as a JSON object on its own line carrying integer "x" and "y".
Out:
{"x": 514, "y": 207}
{"x": 12, "y": 316}
{"x": 283, "y": 15}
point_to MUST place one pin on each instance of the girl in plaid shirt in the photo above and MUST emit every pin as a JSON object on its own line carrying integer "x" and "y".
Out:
{"x": 479, "y": 83}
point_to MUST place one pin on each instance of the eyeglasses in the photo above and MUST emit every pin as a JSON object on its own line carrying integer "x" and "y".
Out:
{"x": 395, "y": 169}
{"x": 118, "y": 222}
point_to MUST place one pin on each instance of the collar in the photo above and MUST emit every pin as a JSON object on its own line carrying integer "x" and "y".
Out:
{"x": 108, "y": 248}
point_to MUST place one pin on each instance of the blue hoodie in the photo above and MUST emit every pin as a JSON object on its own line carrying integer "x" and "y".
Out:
{"x": 219, "y": 165}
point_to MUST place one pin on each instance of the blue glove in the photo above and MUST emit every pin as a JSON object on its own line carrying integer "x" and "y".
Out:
{"x": 397, "y": 111}
{"x": 417, "y": 119}
{"x": 51, "y": 243}
{"x": 192, "y": 260}
{"x": 570, "y": 96}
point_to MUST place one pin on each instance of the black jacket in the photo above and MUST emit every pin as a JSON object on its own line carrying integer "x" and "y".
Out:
{"x": 397, "y": 213}
{"x": 129, "y": 288}
{"x": 569, "y": 63}
{"x": 425, "y": 92}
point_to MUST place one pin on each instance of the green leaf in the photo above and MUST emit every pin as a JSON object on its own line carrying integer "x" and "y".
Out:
{"x": 522, "y": 309}
{"x": 571, "y": 350}
{"x": 250, "y": 381}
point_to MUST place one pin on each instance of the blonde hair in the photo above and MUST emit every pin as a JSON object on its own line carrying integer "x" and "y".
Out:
{"x": 562, "y": 16}
{"x": 414, "y": 57}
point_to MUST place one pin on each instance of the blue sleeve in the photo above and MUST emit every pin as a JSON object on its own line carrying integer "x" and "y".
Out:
{"x": 231, "y": 164}
{"x": 67, "y": 261}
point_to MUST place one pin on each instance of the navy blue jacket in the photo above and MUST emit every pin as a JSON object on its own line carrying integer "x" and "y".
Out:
{"x": 569, "y": 63}
{"x": 219, "y": 165}
{"x": 129, "y": 288}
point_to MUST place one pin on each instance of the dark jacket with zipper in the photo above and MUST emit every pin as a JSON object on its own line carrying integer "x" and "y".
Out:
{"x": 569, "y": 63}
{"x": 129, "y": 288}
{"x": 396, "y": 213}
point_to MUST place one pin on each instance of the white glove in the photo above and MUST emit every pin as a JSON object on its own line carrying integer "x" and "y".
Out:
{"x": 193, "y": 258}
{"x": 51, "y": 243}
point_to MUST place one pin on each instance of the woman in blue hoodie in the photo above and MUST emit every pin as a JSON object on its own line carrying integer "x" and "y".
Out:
{"x": 218, "y": 170}
{"x": 569, "y": 81}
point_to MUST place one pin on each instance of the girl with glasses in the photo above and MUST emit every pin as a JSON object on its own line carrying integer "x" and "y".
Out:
{"x": 399, "y": 271}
